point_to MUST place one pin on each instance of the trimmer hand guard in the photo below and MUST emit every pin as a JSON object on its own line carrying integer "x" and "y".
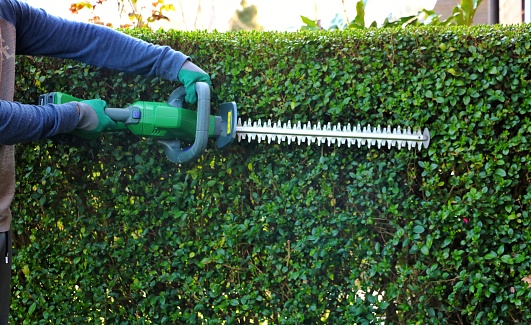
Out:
{"x": 228, "y": 113}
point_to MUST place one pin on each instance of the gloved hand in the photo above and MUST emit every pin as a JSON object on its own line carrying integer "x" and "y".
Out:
{"x": 92, "y": 119}
{"x": 189, "y": 75}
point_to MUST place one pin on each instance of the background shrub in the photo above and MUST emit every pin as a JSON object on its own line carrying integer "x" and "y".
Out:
{"x": 112, "y": 232}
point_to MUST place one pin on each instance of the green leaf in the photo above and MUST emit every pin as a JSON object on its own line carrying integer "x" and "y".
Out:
{"x": 309, "y": 22}
{"x": 446, "y": 242}
{"x": 507, "y": 259}
{"x": 500, "y": 172}
{"x": 32, "y": 308}
{"x": 418, "y": 229}
{"x": 359, "y": 20}
{"x": 383, "y": 305}
{"x": 490, "y": 256}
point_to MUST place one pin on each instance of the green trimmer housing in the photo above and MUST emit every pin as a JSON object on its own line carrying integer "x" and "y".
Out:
{"x": 170, "y": 123}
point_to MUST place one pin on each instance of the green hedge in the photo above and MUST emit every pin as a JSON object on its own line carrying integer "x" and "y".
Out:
{"x": 112, "y": 232}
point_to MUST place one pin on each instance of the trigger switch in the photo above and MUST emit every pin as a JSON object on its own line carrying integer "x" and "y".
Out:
{"x": 136, "y": 114}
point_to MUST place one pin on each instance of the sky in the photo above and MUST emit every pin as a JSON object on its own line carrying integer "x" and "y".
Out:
{"x": 280, "y": 15}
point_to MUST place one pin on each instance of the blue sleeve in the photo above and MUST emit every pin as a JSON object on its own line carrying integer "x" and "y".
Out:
{"x": 23, "y": 123}
{"x": 39, "y": 33}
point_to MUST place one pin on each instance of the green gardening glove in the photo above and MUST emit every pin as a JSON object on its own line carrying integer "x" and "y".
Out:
{"x": 92, "y": 119}
{"x": 189, "y": 75}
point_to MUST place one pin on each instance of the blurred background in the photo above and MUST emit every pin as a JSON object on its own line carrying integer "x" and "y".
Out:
{"x": 226, "y": 15}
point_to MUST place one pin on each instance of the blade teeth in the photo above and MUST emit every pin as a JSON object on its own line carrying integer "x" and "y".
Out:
{"x": 379, "y": 141}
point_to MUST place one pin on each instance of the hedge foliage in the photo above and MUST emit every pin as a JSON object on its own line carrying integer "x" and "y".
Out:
{"x": 112, "y": 232}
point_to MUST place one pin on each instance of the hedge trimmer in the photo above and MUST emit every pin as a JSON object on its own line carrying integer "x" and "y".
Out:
{"x": 172, "y": 124}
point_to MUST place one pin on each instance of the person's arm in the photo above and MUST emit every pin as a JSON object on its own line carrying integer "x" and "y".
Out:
{"x": 23, "y": 123}
{"x": 39, "y": 33}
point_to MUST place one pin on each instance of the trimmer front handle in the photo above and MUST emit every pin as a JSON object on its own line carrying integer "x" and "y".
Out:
{"x": 172, "y": 148}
